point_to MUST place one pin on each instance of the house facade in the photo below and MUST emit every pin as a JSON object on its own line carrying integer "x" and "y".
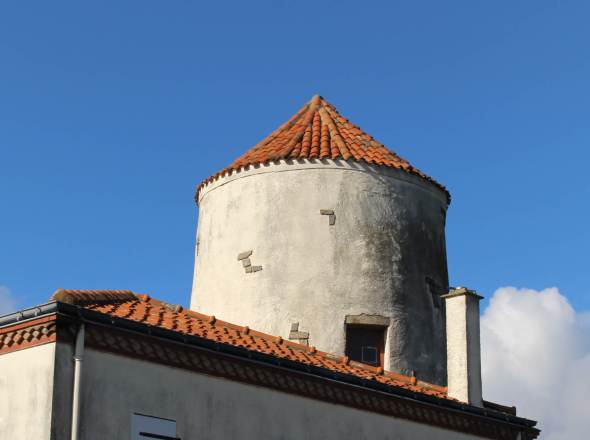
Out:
{"x": 144, "y": 359}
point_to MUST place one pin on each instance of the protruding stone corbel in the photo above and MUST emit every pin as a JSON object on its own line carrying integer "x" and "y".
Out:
{"x": 244, "y": 257}
{"x": 295, "y": 334}
{"x": 330, "y": 214}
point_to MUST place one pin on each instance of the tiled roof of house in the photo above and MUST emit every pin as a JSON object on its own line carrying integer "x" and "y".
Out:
{"x": 318, "y": 131}
{"x": 143, "y": 309}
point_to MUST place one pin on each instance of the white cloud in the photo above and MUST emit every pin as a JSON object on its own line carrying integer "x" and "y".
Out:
{"x": 536, "y": 355}
{"x": 7, "y": 302}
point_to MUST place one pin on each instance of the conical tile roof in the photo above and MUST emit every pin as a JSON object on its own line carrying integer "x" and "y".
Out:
{"x": 318, "y": 131}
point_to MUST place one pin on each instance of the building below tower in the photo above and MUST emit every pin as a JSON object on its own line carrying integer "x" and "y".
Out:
{"x": 92, "y": 365}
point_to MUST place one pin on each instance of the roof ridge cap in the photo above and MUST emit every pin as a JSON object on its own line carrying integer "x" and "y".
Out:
{"x": 82, "y": 296}
{"x": 317, "y": 100}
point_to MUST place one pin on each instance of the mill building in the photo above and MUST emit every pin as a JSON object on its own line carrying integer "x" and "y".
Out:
{"x": 320, "y": 309}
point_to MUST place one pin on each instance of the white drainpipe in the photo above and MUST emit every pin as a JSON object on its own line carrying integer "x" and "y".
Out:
{"x": 78, "y": 355}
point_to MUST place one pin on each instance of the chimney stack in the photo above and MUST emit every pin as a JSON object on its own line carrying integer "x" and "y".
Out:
{"x": 463, "y": 347}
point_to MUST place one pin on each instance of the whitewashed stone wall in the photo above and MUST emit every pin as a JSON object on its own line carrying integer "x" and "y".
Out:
{"x": 205, "y": 407}
{"x": 313, "y": 241}
{"x": 26, "y": 393}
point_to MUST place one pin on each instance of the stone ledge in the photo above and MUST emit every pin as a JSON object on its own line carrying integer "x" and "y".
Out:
{"x": 365, "y": 319}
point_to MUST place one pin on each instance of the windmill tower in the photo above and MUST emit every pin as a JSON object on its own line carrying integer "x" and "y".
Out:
{"x": 321, "y": 234}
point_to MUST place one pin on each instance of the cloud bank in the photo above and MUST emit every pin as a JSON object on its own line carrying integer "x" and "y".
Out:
{"x": 7, "y": 302}
{"x": 536, "y": 355}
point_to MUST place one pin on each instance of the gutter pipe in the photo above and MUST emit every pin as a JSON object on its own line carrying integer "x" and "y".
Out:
{"x": 78, "y": 356}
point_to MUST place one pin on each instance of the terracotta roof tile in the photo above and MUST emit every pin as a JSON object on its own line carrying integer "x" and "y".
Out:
{"x": 143, "y": 309}
{"x": 317, "y": 130}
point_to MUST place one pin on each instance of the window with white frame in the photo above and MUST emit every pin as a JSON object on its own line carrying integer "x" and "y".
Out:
{"x": 150, "y": 428}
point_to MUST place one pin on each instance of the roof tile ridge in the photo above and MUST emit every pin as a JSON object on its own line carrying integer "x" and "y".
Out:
{"x": 432, "y": 386}
{"x": 370, "y": 368}
{"x": 306, "y": 141}
{"x": 81, "y": 297}
{"x": 229, "y": 325}
{"x": 172, "y": 308}
{"x": 334, "y": 133}
{"x": 413, "y": 380}
{"x": 265, "y": 336}
{"x": 373, "y": 371}
{"x": 296, "y": 346}
{"x": 337, "y": 117}
{"x": 155, "y": 302}
{"x": 143, "y": 297}
{"x": 274, "y": 134}
{"x": 372, "y": 142}
{"x": 248, "y": 331}
{"x": 286, "y": 149}
{"x": 197, "y": 315}
{"x": 268, "y": 337}
{"x": 380, "y": 371}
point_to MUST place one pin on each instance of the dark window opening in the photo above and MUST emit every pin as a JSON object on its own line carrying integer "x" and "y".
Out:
{"x": 365, "y": 344}
{"x": 369, "y": 355}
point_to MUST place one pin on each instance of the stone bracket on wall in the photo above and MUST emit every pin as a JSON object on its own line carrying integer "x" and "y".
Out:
{"x": 295, "y": 334}
{"x": 244, "y": 257}
{"x": 330, "y": 214}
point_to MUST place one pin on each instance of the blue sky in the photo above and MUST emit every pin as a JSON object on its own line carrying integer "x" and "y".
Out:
{"x": 111, "y": 112}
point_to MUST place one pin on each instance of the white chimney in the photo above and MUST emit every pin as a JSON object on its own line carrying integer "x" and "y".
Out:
{"x": 463, "y": 348}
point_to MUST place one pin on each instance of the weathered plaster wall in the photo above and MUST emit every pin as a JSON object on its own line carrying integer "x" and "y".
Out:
{"x": 61, "y": 420}
{"x": 384, "y": 254}
{"x": 26, "y": 392}
{"x": 204, "y": 407}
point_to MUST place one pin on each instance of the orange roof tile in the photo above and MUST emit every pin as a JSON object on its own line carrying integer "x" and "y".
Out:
{"x": 143, "y": 309}
{"x": 318, "y": 131}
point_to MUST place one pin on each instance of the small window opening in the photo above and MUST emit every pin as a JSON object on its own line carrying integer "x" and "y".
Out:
{"x": 365, "y": 344}
{"x": 369, "y": 355}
